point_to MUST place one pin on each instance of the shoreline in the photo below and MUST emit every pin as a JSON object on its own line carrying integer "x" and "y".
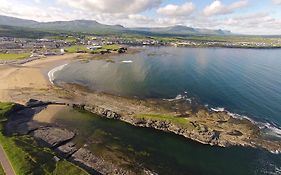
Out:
{"x": 128, "y": 109}
{"x": 262, "y": 125}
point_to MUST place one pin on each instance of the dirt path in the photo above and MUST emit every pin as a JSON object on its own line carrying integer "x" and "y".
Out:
{"x": 8, "y": 169}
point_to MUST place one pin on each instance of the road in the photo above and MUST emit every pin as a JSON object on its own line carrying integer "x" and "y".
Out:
{"x": 6, "y": 163}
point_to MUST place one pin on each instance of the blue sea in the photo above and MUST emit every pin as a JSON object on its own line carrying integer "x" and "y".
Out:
{"x": 244, "y": 82}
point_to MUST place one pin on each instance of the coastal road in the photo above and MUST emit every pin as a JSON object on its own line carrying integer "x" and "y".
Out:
{"x": 7, "y": 167}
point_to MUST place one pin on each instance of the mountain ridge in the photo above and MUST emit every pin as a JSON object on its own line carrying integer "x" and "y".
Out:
{"x": 92, "y": 26}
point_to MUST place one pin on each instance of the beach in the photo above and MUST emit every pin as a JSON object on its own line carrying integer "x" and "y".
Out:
{"x": 18, "y": 83}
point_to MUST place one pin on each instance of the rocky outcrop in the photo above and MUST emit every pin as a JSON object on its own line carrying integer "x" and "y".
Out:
{"x": 93, "y": 164}
{"x": 217, "y": 129}
{"x": 60, "y": 140}
{"x": 200, "y": 132}
{"x": 53, "y": 136}
{"x": 99, "y": 111}
{"x": 66, "y": 150}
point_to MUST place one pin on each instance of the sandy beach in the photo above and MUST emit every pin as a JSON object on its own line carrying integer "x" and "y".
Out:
{"x": 30, "y": 78}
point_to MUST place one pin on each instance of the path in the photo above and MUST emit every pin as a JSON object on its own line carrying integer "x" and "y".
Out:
{"x": 7, "y": 167}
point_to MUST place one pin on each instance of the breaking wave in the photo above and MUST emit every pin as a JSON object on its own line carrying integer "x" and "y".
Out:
{"x": 51, "y": 73}
{"x": 127, "y": 61}
{"x": 268, "y": 128}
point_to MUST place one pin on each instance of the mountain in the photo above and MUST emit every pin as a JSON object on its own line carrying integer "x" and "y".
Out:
{"x": 79, "y": 26}
{"x": 178, "y": 29}
{"x": 16, "y": 22}
{"x": 91, "y": 26}
{"x": 71, "y": 26}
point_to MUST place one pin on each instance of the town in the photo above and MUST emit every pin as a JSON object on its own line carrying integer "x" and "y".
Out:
{"x": 21, "y": 50}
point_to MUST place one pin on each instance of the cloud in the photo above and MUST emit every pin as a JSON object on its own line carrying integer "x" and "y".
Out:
{"x": 217, "y": 8}
{"x": 278, "y": 2}
{"x": 177, "y": 10}
{"x": 260, "y": 23}
{"x": 112, "y": 6}
{"x": 21, "y": 10}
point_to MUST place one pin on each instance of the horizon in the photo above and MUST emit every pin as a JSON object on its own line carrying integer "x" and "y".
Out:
{"x": 237, "y": 16}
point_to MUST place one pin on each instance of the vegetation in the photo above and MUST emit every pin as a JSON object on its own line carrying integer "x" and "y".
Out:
{"x": 1, "y": 170}
{"x": 114, "y": 47}
{"x": 13, "y": 56}
{"x": 62, "y": 166}
{"x": 77, "y": 48}
{"x": 21, "y": 32}
{"x": 70, "y": 39}
{"x": 27, "y": 157}
{"x": 168, "y": 118}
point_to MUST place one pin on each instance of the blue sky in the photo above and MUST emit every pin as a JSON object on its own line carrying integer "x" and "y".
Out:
{"x": 239, "y": 16}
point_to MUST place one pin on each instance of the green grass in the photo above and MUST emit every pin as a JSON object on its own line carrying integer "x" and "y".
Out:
{"x": 98, "y": 51}
{"x": 62, "y": 166}
{"x": 75, "y": 49}
{"x": 13, "y": 56}
{"x": 111, "y": 47}
{"x": 70, "y": 39}
{"x": 180, "y": 121}
{"x": 1, "y": 170}
{"x": 27, "y": 157}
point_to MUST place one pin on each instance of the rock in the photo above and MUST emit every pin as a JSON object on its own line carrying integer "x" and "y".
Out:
{"x": 26, "y": 128}
{"x": 20, "y": 121}
{"x": 202, "y": 128}
{"x": 35, "y": 103}
{"x": 52, "y": 136}
{"x": 66, "y": 150}
{"x": 95, "y": 165}
{"x": 56, "y": 158}
{"x": 102, "y": 112}
{"x": 235, "y": 133}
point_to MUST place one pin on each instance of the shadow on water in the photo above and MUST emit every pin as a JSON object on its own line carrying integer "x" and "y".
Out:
{"x": 134, "y": 148}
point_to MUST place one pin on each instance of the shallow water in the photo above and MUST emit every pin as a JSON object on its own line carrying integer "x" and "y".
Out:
{"x": 243, "y": 81}
{"x": 136, "y": 148}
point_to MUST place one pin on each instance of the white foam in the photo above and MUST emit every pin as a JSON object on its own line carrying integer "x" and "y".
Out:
{"x": 180, "y": 97}
{"x": 127, "y": 61}
{"x": 51, "y": 73}
{"x": 269, "y": 128}
{"x": 218, "y": 109}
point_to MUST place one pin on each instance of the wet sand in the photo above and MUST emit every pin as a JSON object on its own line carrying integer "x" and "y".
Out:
{"x": 47, "y": 115}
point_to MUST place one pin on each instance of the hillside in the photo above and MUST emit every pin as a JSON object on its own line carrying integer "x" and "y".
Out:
{"x": 91, "y": 26}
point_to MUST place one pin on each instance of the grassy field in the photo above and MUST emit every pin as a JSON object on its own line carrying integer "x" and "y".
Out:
{"x": 27, "y": 157}
{"x": 111, "y": 47}
{"x": 78, "y": 48}
{"x": 1, "y": 170}
{"x": 168, "y": 118}
{"x": 12, "y": 56}
{"x": 81, "y": 48}
{"x": 62, "y": 166}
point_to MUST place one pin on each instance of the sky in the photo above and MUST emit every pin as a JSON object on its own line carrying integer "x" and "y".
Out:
{"x": 238, "y": 16}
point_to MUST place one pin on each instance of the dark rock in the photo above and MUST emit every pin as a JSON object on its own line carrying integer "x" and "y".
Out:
{"x": 93, "y": 164}
{"x": 66, "y": 150}
{"x": 52, "y": 136}
{"x": 102, "y": 112}
{"x": 235, "y": 133}
{"x": 36, "y": 103}
{"x": 20, "y": 121}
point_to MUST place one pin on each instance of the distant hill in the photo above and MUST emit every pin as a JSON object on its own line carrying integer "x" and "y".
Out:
{"x": 183, "y": 30}
{"x": 91, "y": 26}
{"x": 16, "y": 22}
